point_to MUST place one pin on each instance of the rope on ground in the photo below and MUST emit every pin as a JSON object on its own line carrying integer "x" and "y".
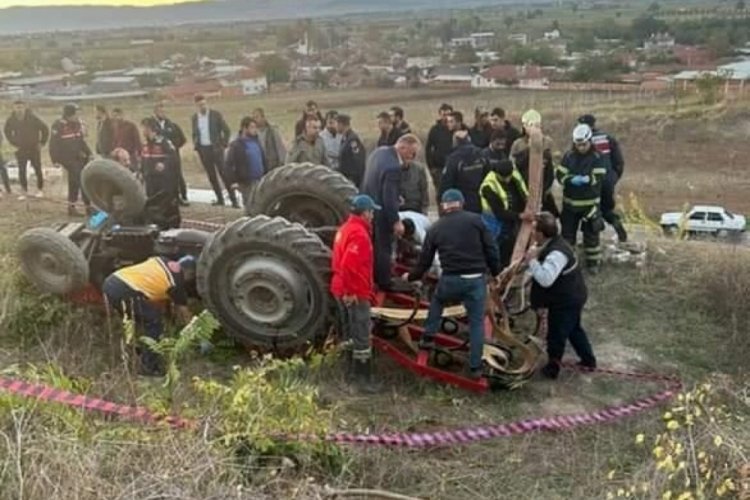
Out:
{"x": 386, "y": 495}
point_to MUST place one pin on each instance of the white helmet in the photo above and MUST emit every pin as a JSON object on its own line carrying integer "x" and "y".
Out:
{"x": 582, "y": 133}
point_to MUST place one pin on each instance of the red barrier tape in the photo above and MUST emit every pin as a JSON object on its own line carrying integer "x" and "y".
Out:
{"x": 408, "y": 440}
{"x": 67, "y": 398}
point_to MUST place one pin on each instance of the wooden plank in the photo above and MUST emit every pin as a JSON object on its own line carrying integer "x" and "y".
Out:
{"x": 536, "y": 190}
{"x": 401, "y": 314}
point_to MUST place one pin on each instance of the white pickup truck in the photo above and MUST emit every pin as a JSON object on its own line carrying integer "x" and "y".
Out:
{"x": 704, "y": 219}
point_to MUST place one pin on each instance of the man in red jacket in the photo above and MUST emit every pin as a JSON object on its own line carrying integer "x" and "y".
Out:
{"x": 352, "y": 283}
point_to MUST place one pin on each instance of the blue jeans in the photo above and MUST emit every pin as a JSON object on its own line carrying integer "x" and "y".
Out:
{"x": 472, "y": 293}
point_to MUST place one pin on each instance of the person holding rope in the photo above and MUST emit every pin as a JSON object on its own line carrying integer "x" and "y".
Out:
{"x": 352, "y": 284}
{"x": 559, "y": 287}
{"x": 466, "y": 251}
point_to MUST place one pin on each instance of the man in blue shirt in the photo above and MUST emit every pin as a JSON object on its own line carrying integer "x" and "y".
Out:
{"x": 245, "y": 162}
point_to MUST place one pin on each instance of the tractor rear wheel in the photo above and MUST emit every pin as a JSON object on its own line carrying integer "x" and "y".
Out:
{"x": 52, "y": 262}
{"x": 113, "y": 188}
{"x": 313, "y": 195}
{"x": 266, "y": 280}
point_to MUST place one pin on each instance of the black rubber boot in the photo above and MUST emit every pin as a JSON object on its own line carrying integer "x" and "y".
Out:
{"x": 551, "y": 370}
{"x": 363, "y": 379}
{"x": 622, "y": 234}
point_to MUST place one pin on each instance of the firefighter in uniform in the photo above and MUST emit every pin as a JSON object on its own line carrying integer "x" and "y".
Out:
{"x": 581, "y": 174}
{"x": 68, "y": 149}
{"x": 609, "y": 149}
{"x": 161, "y": 176}
{"x": 504, "y": 195}
{"x": 138, "y": 291}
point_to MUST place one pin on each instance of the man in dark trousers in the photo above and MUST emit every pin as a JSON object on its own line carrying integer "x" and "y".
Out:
{"x": 246, "y": 163}
{"x": 559, "y": 287}
{"x": 382, "y": 183}
{"x": 28, "y": 134}
{"x": 465, "y": 169}
{"x": 609, "y": 149}
{"x": 581, "y": 173}
{"x": 352, "y": 156}
{"x": 174, "y": 134}
{"x": 352, "y": 283}
{"x": 397, "y": 117}
{"x": 68, "y": 150}
{"x": 159, "y": 167}
{"x": 498, "y": 122}
{"x": 137, "y": 291}
{"x": 211, "y": 136}
{"x": 504, "y": 195}
{"x": 439, "y": 145}
{"x": 466, "y": 252}
{"x": 126, "y": 136}
{"x": 105, "y": 140}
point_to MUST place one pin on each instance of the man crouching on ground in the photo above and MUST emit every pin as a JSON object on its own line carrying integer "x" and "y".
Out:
{"x": 352, "y": 284}
{"x": 559, "y": 287}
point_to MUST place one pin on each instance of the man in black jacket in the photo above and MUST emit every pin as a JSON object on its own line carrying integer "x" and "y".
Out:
{"x": 466, "y": 252}
{"x": 352, "y": 156}
{"x": 211, "y": 136}
{"x": 481, "y": 131}
{"x": 439, "y": 145}
{"x": 246, "y": 163}
{"x": 159, "y": 167}
{"x": 28, "y": 134}
{"x": 4, "y": 169}
{"x": 174, "y": 134}
{"x": 397, "y": 117}
{"x": 465, "y": 169}
{"x": 389, "y": 133}
{"x": 559, "y": 287}
{"x": 68, "y": 149}
{"x": 498, "y": 122}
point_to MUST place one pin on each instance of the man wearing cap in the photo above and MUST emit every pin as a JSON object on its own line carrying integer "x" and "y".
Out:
{"x": 138, "y": 291}
{"x": 559, "y": 287}
{"x": 467, "y": 251}
{"x": 68, "y": 149}
{"x": 352, "y": 283}
{"x": 581, "y": 173}
{"x": 352, "y": 156}
{"x": 464, "y": 170}
{"x": 520, "y": 153}
{"x": 382, "y": 184}
{"x": 609, "y": 149}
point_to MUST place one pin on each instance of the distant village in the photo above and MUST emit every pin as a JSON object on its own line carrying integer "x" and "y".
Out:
{"x": 659, "y": 65}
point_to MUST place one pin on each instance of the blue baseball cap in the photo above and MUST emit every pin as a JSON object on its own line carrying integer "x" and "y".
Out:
{"x": 363, "y": 202}
{"x": 452, "y": 196}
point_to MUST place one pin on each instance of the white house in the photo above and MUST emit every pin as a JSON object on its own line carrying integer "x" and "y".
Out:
{"x": 521, "y": 38}
{"x": 483, "y": 40}
{"x": 422, "y": 62}
{"x": 552, "y": 35}
{"x": 465, "y": 41}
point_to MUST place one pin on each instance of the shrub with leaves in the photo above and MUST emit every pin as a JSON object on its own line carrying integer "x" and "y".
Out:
{"x": 270, "y": 410}
{"x": 696, "y": 454}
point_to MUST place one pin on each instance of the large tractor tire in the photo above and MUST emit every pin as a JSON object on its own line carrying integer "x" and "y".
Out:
{"x": 113, "y": 188}
{"x": 266, "y": 280}
{"x": 313, "y": 195}
{"x": 52, "y": 262}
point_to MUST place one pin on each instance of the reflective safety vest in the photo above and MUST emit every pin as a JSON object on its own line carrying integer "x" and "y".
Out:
{"x": 492, "y": 180}
{"x": 153, "y": 278}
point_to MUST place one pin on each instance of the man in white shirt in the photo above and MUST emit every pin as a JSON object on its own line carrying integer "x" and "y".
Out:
{"x": 415, "y": 231}
{"x": 332, "y": 140}
{"x": 559, "y": 287}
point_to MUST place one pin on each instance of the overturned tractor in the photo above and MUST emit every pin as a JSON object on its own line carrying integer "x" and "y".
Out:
{"x": 265, "y": 276}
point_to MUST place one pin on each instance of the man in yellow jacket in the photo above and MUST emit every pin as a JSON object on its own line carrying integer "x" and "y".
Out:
{"x": 137, "y": 292}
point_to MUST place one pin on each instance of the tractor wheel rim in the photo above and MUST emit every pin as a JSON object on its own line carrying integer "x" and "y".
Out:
{"x": 49, "y": 263}
{"x": 309, "y": 212}
{"x": 268, "y": 291}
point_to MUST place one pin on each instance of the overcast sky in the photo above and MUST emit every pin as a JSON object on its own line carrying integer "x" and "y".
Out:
{"x": 29, "y": 3}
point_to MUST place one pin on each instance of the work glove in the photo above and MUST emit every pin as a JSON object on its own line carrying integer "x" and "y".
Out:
{"x": 580, "y": 180}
